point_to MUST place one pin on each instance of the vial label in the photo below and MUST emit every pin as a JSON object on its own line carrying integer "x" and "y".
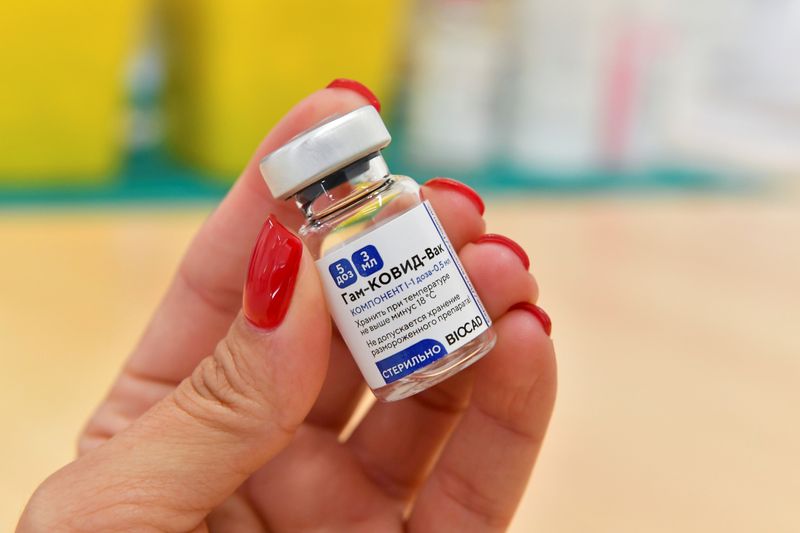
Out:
{"x": 400, "y": 297}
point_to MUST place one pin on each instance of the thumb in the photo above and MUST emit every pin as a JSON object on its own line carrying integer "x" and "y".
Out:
{"x": 238, "y": 409}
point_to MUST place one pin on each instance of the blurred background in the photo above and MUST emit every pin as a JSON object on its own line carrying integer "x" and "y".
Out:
{"x": 645, "y": 153}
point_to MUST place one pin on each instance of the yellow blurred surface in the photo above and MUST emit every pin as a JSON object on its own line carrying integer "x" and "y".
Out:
{"x": 675, "y": 322}
{"x": 62, "y": 100}
{"x": 234, "y": 68}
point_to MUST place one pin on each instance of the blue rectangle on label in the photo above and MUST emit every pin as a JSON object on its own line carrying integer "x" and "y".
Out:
{"x": 411, "y": 359}
{"x": 342, "y": 273}
{"x": 367, "y": 260}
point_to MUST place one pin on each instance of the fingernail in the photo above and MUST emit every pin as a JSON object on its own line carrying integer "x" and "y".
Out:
{"x": 272, "y": 275}
{"x": 453, "y": 185}
{"x": 508, "y": 243}
{"x": 536, "y": 311}
{"x": 358, "y": 87}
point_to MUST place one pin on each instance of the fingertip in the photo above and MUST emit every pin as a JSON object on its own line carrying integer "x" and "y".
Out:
{"x": 358, "y": 88}
{"x": 508, "y": 244}
{"x": 457, "y": 211}
{"x": 524, "y": 352}
{"x": 458, "y": 187}
{"x": 308, "y": 112}
{"x": 537, "y": 312}
{"x": 498, "y": 275}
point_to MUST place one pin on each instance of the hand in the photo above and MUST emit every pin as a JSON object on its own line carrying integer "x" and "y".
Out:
{"x": 248, "y": 438}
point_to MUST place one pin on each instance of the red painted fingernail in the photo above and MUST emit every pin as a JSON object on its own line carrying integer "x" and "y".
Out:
{"x": 272, "y": 274}
{"x": 358, "y": 87}
{"x": 505, "y": 241}
{"x": 453, "y": 185}
{"x": 536, "y": 311}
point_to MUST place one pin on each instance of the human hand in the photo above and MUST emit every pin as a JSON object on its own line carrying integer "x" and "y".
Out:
{"x": 248, "y": 438}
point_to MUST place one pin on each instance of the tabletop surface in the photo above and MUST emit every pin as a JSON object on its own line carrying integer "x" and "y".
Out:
{"x": 675, "y": 322}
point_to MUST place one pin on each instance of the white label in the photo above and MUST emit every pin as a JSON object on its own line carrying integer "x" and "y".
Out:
{"x": 400, "y": 297}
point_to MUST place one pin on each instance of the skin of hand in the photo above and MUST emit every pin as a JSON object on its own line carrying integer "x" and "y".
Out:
{"x": 217, "y": 424}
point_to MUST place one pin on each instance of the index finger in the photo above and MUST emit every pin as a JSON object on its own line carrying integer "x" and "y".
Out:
{"x": 206, "y": 291}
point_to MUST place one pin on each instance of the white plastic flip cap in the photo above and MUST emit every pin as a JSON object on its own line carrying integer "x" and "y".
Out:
{"x": 322, "y": 150}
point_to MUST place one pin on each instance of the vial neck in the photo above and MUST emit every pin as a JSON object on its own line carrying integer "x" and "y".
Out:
{"x": 344, "y": 188}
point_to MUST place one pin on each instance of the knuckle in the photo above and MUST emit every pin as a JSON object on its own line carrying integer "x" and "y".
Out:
{"x": 133, "y": 393}
{"x": 221, "y": 299}
{"x": 89, "y": 440}
{"x": 224, "y": 392}
{"x": 468, "y": 495}
{"x": 512, "y": 412}
{"x": 522, "y": 406}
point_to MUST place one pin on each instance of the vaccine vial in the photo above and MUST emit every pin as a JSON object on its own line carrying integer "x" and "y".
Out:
{"x": 395, "y": 287}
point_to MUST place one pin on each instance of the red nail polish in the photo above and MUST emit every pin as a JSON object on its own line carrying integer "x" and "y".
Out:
{"x": 358, "y": 87}
{"x": 505, "y": 241}
{"x": 453, "y": 185}
{"x": 272, "y": 275}
{"x": 536, "y": 311}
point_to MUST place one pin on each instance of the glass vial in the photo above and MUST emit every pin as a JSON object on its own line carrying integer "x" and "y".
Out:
{"x": 395, "y": 288}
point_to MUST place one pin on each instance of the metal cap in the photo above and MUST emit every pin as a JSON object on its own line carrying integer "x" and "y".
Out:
{"x": 322, "y": 150}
